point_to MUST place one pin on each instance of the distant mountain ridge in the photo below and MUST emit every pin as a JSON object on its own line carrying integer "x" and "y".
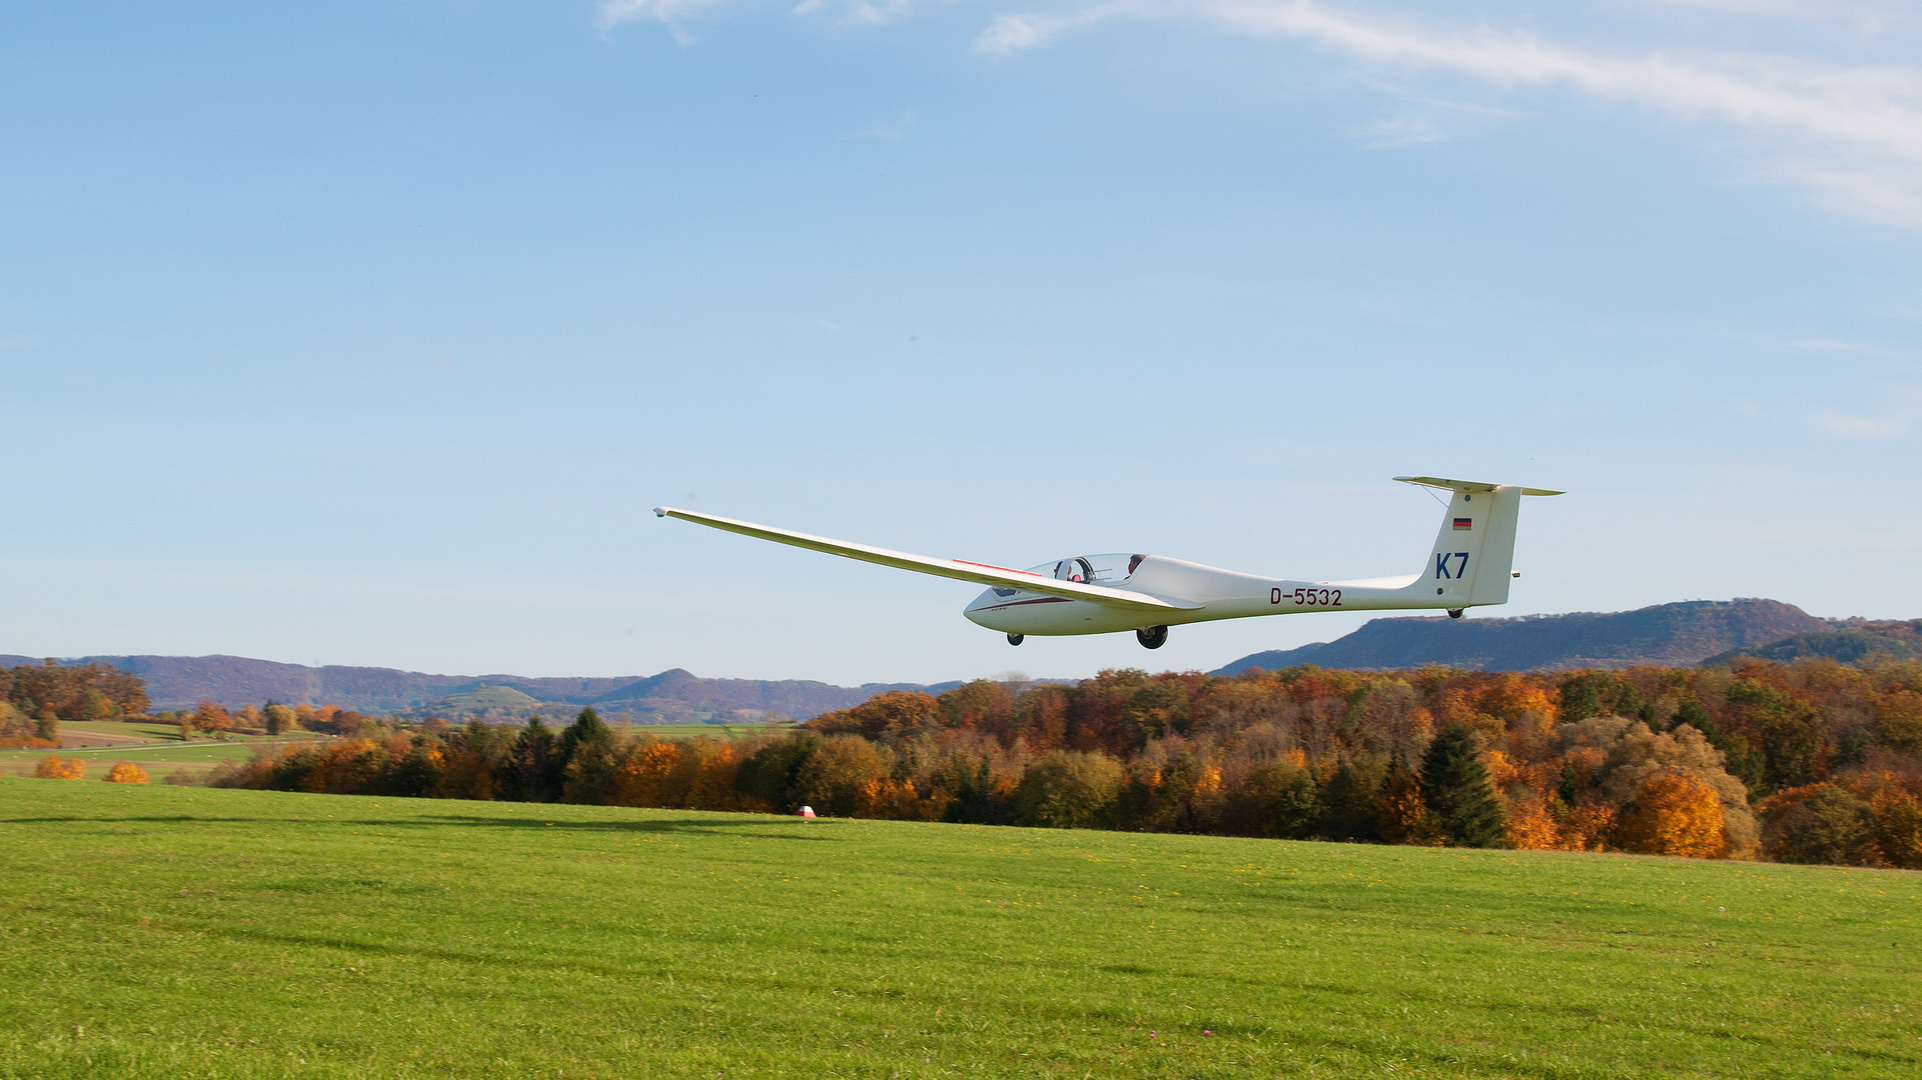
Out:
{"x": 672, "y": 696}
{"x": 1666, "y": 634}
{"x": 1849, "y": 641}
{"x": 1673, "y": 634}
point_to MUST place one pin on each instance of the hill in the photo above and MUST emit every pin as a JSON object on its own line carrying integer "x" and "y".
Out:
{"x": 1684, "y": 633}
{"x": 672, "y": 696}
{"x": 511, "y": 939}
{"x": 1852, "y": 641}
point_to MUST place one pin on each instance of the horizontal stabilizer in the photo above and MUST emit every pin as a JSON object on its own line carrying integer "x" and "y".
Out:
{"x": 1467, "y": 485}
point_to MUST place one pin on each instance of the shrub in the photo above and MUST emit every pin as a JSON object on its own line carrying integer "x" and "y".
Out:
{"x": 52, "y": 768}
{"x": 126, "y": 772}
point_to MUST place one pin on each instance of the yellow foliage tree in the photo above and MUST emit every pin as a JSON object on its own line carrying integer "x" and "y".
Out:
{"x": 52, "y": 768}
{"x": 1675, "y": 814}
{"x": 1530, "y": 826}
{"x": 126, "y": 772}
{"x": 1589, "y": 822}
{"x": 641, "y": 780}
{"x": 1897, "y": 819}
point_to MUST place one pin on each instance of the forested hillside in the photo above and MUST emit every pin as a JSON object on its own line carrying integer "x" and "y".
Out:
{"x": 1850, "y": 641}
{"x": 1684, "y": 633}
{"x": 1807, "y": 762}
{"x": 176, "y": 682}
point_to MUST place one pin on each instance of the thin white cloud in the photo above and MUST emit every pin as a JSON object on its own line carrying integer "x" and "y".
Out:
{"x": 1860, "y": 427}
{"x": 615, "y": 12}
{"x": 1860, "y": 348}
{"x": 1394, "y": 131}
{"x": 1850, "y": 136}
{"x": 894, "y": 130}
{"x": 1854, "y": 136}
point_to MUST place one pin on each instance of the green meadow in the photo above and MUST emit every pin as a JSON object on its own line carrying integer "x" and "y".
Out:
{"x": 200, "y": 755}
{"x": 168, "y": 931}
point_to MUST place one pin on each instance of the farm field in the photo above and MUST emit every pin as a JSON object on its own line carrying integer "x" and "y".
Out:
{"x": 712, "y": 731}
{"x": 122, "y": 729}
{"x": 198, "y": 753}
{"x": 160, "y": 931}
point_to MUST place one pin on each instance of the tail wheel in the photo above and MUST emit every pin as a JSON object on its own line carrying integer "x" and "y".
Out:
{"x": 1016, "y": 639}
{"x": 1152, "y": 637}
{"x": 1454, "y": 613}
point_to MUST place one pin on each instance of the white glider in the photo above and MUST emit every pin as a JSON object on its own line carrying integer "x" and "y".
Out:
{"x": 1469, "y": 566}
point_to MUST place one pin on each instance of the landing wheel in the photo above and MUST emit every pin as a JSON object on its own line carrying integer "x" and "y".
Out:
{"x": 1016, "y": 639}
{"x": 1153, "y": 637}
{"x": 1454, "y": 613}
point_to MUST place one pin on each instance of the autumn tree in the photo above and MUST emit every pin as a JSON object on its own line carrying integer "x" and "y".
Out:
{"x": 892, "y": 714}
{"x": 834, "y": 777}
{"x": 1401, "y": 815}
{"x": 771, "y": 773}
{"x": 1455, "y": 789}
{"x": 210, "y": 716}
{"x": 1068, "y": 789}
{"x": 126, "y": 772}
{"x": 1276, "y": 798}
{"x": 1896, "y": 816}
{"x": 1675, "y": 813}
{"x": 967, "y": 779}
{"x": 52, "y": 768}
{"x": 1821, "y": 823}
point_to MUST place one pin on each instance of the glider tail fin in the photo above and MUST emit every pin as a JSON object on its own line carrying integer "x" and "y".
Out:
{"x": 1474, "y": 553}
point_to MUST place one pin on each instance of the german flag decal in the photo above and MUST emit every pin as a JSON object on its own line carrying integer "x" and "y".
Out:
{"x": 1464, "y": 523}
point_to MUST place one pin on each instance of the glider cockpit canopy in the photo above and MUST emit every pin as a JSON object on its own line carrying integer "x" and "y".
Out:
{"x": 1112, "y": 570}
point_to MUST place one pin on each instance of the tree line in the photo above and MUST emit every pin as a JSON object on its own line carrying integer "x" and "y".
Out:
{"x": 1804, "y": 762}
{"x": 35, "y": 698}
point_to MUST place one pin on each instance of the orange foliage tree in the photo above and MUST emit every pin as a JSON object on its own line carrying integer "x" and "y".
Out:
{"x": 126, "y": 772}
{"x": 211, "y": 716}
{"x": 1675, "y": 814}
{"x": 52, "y": 768}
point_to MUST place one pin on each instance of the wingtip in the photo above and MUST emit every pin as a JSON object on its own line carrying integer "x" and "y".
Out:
{"x": 660, "y": 511}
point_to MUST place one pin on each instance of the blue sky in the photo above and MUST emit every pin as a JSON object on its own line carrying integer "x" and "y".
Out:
{"x": 369, "y": 333}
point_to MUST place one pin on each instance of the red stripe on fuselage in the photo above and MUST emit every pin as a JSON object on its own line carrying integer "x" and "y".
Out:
{"x": 1019, "y": 603}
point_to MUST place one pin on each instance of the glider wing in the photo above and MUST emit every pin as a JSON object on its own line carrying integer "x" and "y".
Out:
{"x": 960, "y": 570}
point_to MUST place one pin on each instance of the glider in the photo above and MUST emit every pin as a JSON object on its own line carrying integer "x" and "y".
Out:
{"x": 1469, "y": 566}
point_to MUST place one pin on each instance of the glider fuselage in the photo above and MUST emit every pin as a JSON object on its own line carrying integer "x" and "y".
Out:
{"x": 1206, "y": 593}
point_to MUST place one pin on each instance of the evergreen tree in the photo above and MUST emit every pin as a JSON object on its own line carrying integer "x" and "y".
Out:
{"x": 1348, "y": 802}
{"x": 974, "y": 802}
{"x": 585, "y": 755}
{"x": 1455, "y": 787}
{"x": 533, "y": 772}
{"x": 588, "y": 727}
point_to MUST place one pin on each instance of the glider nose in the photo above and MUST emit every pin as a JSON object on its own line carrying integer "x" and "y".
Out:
{"x": 977, "y": 610}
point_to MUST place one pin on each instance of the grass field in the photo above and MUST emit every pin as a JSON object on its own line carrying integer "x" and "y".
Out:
{"x": 153, "y": 931}
{"x": 198, "y": 755}
{"x": 130, "y": 729}
{"x": 712, "y": 731}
